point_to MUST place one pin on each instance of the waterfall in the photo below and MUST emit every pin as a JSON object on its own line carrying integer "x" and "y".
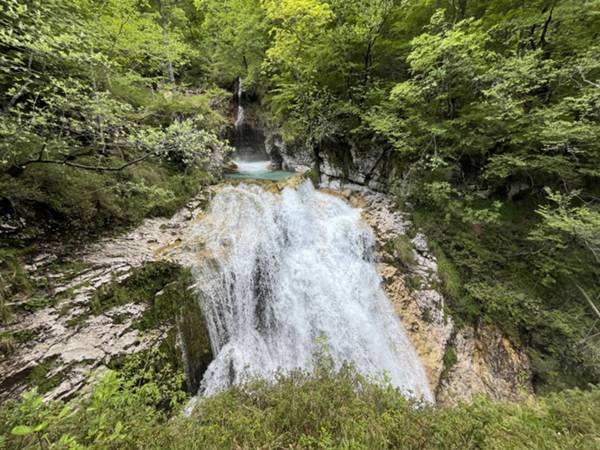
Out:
{"x": 239, "y": 121}
{"x": 282, "y": 273}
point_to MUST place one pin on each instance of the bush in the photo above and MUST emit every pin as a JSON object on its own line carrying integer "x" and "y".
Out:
{"x": 325, "y": 410}
{"x": 493, "y": 271}
{"x": 64, "y": 203}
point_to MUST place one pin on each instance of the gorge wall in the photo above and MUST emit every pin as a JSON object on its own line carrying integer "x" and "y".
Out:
{"x": 338, "y": 163}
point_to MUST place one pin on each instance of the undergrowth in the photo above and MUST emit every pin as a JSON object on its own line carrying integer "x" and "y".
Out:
{"x": 494, "y": 272}
{"x": 327, "y": 410}
{"x": 66, "y": 204}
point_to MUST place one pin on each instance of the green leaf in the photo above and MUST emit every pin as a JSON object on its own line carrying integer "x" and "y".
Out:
{"x": 42, "y": 426}
{"x": 21, "y": 430}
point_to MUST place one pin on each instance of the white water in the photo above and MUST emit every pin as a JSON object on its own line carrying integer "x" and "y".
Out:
{"x": 290, "y": 271}
{"x": 239, "y": 121}
{"x": 252, "y": 166}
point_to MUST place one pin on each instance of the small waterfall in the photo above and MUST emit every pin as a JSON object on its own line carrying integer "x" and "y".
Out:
{"x": 282, "y": 273}
{"x": 246, "y": 134}
{"x": 239, "y": 121}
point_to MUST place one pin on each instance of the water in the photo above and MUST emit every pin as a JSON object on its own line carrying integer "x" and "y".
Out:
{"x": 258, "y": 170}
{"x": 289, "y": 272}
{"x": 239, "y": 121}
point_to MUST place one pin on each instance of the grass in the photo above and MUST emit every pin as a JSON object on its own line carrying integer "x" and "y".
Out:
{"x": 402, "y": 250}
{"x": 41, "y": 379}
{"x": 450, "y": 359}
{"x": 14, "y": 281}
{"x": 7, "y": 344}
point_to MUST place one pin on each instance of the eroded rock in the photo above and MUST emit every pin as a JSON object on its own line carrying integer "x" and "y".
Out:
{"x": 486, "y": 363}
{"x": 65, "y": 336}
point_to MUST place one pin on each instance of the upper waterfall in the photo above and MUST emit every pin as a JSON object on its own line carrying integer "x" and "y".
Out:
{"x": 286, "y": 272}
{"x": 239, "y": 121}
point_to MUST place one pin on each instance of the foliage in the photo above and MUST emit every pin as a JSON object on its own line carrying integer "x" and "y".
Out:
{"x": 565, "y": 225}
{"x": 486, "y": 111}
{"x": 84, "y": 104}
{"x": 499, "y": 272}
{"x": 487, "y": 114}
{"x": 235, "y": 37}
{"x": 325, "y": 410}
{"x": 115, "y": 415}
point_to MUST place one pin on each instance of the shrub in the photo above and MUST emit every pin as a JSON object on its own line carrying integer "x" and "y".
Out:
{"x": 328, "y": 409}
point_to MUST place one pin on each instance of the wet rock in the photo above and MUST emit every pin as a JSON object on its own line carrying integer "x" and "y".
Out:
{"x": 340, "y": 164}
{"x": 195, "y": 344}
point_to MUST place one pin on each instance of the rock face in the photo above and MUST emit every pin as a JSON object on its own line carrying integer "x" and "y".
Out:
{"x": 459, "y": 363}
{"x": 339, "y": 164}
{"x": 66, "y": 343}
{"x": 484, "y": 361}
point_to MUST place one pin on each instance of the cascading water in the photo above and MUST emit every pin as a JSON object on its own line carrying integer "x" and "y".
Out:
{"x": 286, "y": 272}
{"x": 239, "y": 121}
{"x": 250, "y": 157}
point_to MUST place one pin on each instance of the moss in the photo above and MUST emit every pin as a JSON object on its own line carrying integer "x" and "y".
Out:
{"x": 171, "y": 303}
{"x": 65, "y": 269}
{"x": 165, "y": 304}
{"x": 402, "y": 250}
{"x": 77, "y": 320}
{"x": 196, "y": 348}
{"x": 141, "y": 286}
{"x": 40, "y": 377}
{"x": 24, "y": 336}
{"x": 5, "y": 310}
{"x": 313, "y": 176}
{"x": 36, "y": 303}
{"x": 426, "y": 315}
{"x": 340, "y": 158}
{"x": 449, "y": 361}
{"x": 14, "y": 280}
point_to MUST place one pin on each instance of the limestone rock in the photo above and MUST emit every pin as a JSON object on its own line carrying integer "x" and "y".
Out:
{"x": 487, "y": 363}
{"x": 60, "y": 337}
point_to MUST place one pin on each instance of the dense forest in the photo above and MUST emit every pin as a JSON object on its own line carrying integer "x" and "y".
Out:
{"x": 485, "y": 114}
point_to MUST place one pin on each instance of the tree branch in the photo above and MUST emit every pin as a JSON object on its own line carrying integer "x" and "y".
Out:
{"x": 543, "y": 42}
{"x": 85, "y": 166}
{"x": 589, "y": 300}
{"x": 591, "y": 83}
